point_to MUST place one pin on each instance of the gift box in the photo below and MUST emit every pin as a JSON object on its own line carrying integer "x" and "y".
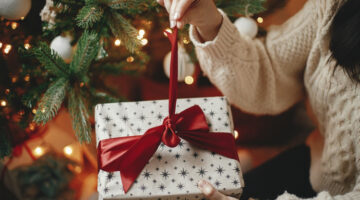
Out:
{"x": 162, "y": 149}
{"x": 171, "y": 173}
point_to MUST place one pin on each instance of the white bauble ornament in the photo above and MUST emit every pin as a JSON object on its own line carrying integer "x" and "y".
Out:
{"x": 14, "y": 9}
{"x": 62, "y": 46}
{"x": 185, "y": 66}
{"x": 247, "y": 26}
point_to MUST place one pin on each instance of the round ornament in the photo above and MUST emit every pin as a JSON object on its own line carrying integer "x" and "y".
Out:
{"x": 185, "y": 66}
{"x": 62, "y": 46}
{"x": 247, "y": 26}
{"x": 14, "y": 9}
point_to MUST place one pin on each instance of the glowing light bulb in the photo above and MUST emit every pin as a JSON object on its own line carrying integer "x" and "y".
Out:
{"x": 38, "y": 151}
{"x": 1, "y": 44}
{"x": 3, "y": 103}
{"x": 33, "y": 111}
{"x": 14, "y": 25}
{"x": 27, "y": 46}
{"x": 68, "y": 150}
{"x": 260, "y": 20}
{"x": 236, "y": 134}
{"x": 117, "y": 42}
{"x": 7, "y": 48}
{"x": 142, "y": 32}
{"x": 22, "y": 18}
{"x": 144, "y": 41}
{"x": 167, "y": 30}
{"x": 130, "y": 59}
{"x": 189, "y": 80}
{"x": 7, "y": 91}
{"x": 43, "y": 110}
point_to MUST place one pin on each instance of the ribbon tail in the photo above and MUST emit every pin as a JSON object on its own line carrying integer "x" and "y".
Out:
{"x": 220, "y": 143}
{"x": 138, "y": 155}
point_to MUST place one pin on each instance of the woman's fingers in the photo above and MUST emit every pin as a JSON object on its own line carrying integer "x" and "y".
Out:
{"x": 210, "y": 192}
{"x": 181, "y": 8}
{"x": 171, "y": 13}
{"x": 167, "y": 5}
{"x": 161, "y": 2}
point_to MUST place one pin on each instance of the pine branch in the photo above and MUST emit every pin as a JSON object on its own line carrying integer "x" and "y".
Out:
{"x": 50, "y": 60}
{"x": 236, "y": 7}
{"x": 32, "y": 96}
{"x": 51, "y": 102}
{"x": 124, "y": 4}
{"x": 87, "y": 49}
{"x": 123, "y": 29}
{"x": 80, "y": 116}
{"x": 89, "y": 15}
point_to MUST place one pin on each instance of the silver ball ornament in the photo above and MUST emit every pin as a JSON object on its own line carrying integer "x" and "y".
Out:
{"x": 247, "y": 26}
{"x": 185, "y": 66}
{"x": 62, "y": 46}
{"x": 14, "y": 9}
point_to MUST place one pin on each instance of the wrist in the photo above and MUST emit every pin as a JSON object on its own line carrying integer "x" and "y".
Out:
{"x": 209, "y": 31}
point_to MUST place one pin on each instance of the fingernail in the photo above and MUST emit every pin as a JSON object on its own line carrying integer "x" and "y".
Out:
{"x": 176, "y": 16}
{"x": 172, "y": 24}
{"x": 201, "y": 184}
{"x": 178, "y": 25}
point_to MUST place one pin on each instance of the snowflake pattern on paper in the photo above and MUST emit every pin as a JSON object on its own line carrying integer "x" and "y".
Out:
{"x": 172, "y": 173}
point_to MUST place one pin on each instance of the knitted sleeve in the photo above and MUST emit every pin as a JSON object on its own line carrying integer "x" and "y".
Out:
{"x": 260, "y": 76}
{"x": 341, "y": 154}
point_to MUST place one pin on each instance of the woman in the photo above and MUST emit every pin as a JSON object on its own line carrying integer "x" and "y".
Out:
{"x": 314, "y": 55}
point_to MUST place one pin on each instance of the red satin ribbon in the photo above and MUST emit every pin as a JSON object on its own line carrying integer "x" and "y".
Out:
{"x": 129, "y": 155}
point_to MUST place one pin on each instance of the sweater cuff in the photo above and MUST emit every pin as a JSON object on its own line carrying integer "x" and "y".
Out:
{"x": 224, "y": 39}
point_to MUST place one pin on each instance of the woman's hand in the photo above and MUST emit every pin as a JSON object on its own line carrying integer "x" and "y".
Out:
{"x": 211, "y": 193}
{"x": 201, "y": 13}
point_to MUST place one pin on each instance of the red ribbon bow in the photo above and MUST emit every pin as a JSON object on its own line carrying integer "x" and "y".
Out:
{"x": 129, "y": 155}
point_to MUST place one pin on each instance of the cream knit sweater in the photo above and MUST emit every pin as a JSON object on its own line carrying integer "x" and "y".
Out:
{"x": 269, "y": 75}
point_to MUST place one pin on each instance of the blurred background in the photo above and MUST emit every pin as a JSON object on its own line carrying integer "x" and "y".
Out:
{"x": 45, "y": 160}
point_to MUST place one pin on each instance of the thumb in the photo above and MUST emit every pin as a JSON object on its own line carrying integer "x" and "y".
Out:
{"x": 210, "y": 192}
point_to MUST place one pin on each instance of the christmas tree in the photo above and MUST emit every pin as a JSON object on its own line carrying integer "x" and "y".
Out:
{"x": 41, "y": 73}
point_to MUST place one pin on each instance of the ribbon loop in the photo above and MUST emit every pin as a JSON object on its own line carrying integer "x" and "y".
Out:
{"x": 169, "y": 136}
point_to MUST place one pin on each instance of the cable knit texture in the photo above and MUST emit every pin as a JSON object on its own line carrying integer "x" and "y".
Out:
{"x": 269, "y": 75}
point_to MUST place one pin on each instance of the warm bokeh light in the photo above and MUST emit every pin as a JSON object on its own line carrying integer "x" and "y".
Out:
{"x": 27, "y": 78}
{"x": 3, "y": 103}
{"x": 141, "y": 34}
{"x": 39, "y": 151}
{"x": 7, "y": 91}
{"x": 68, "y": 150}
{"x": 260, "y": 20}
{"x": 43, "y": 110}
{"x": 82, "y": 84}
{"x": 22, "y": 18}
{"x": 7, "y": 48}
{"x": 236, "y": 134}
{"x": 27, "y": 46}
{"x": 33, "y": 111}
{"x": 144, "y": 41}
{"x": 32, "y": 126}
{"x": 117, "y": 42}
{"x": 189, "y": 80}
{"x": 167, "y": 30}
{"x": 186, "y": 41}
{"x": 14, "y": 25}
{"x": 14, "y": 79}
{"x": 130, "y": 59}
{"x": 1, "y": 44}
